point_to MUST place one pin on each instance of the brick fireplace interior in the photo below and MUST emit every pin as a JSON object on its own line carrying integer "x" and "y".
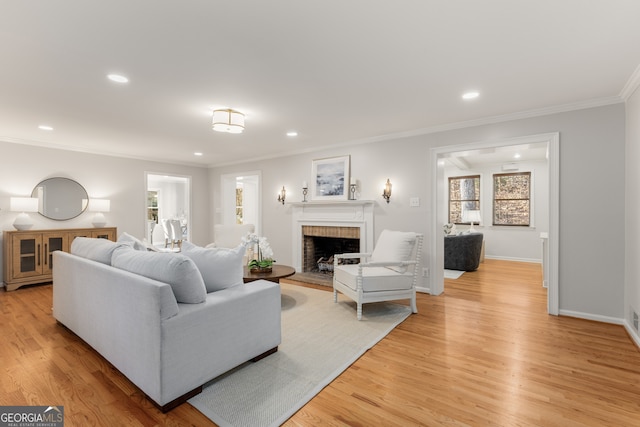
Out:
{"x": 320, "y": 243}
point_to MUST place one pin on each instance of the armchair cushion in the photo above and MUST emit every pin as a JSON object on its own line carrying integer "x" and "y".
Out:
{"x": 373, "y": 278}
{"x": 394, "y": 246}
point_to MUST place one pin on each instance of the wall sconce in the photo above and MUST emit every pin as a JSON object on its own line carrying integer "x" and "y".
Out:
{"x": 282, "y": 195}
{"x": 386, "y": 193}
{"x": 99, "y": 206}
{"x": 23, "y": 205}
{"x": 305, "y": 191}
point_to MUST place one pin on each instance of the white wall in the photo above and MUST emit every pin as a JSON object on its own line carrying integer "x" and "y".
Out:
{"x": 592, "y": 194}
{"x": 592, "y": 144}
{"x": 632, "y": 230}
{"x": 118, "y": 179}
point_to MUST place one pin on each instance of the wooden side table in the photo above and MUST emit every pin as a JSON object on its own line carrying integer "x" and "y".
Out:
{"x": 278, "y": 272}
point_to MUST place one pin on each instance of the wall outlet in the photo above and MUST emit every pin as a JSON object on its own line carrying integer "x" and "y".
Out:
{"x": 635, "y": 320}
{"x": 425, "y": 272}
{"x": 414, "y": 202}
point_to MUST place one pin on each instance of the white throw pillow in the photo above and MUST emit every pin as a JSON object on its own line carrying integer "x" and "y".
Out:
{"x": 220, "y": 267}
{"x": 175, "y": 269}
{"x": 138, "y": 244}
{"x": 394, "y": 246}
{"x": 99, "y": 250}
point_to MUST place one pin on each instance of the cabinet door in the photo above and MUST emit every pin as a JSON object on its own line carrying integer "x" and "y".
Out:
{"x": 53, "y": 241}
{"x": 103, "y": 234}
{"x": 75, "y": 233}
{"x": 27, "y": 255}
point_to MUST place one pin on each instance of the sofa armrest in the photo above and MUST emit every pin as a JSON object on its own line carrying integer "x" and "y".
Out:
{"x": 116, "y": 312}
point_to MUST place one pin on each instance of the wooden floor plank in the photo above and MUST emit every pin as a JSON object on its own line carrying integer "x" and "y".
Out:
{"x": 483, "y": 353}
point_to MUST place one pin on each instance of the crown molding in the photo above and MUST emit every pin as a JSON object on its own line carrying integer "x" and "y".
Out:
{"x": 53, "y": 146}
{"x": 631, "y": 85}
{"x": 593, "y": 103}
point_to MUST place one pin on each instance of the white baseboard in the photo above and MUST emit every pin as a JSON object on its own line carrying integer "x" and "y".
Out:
{"x": 423, "y": 290}
{"x": 632, "y": 333}
{"x": 594, "y": 317}
{"x": 505, "y": 258}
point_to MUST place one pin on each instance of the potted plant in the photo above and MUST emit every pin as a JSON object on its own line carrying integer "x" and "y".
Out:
{"x": 262, "y": 261}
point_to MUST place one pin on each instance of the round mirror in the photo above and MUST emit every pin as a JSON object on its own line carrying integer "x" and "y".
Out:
{"x": 60, "y": 198}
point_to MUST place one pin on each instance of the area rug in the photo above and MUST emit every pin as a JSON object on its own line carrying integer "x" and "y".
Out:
{"x": 320, "y": 339}
{"x": 452, "y": 274}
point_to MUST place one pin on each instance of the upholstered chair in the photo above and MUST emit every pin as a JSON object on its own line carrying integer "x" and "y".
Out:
{"x": 176, "y": 233}
{"x": 168, "y": 233}
{"x": 463, "y": 252}
{"x": 390, "y": 272}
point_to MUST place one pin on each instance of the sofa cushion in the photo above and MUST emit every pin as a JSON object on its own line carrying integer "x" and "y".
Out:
{"x": 373, "y": 278}
{"x": 220, "y": 267}
{"x": 99, "y": 250}
{"x": 394, "y": 246}
{"x": 175, "y": 269}
{"x": 137, "y": 244}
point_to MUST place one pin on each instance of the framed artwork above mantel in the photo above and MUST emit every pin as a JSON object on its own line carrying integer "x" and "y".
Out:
{"x": 330, "y": 178}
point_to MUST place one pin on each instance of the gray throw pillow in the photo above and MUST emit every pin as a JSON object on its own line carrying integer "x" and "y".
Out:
{"x": 220, "y": 267}
{"x": 99, "y": 250}
{"x": 175, "y": 269}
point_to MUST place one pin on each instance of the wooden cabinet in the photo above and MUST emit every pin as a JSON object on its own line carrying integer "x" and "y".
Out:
{"x": 28, "y": 255}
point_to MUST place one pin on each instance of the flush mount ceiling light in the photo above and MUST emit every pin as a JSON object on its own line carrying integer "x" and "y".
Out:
{"x": 45, "y": 127}
{"x": 228, "y": 120}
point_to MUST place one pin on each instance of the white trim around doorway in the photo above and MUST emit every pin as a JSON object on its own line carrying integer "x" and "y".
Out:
{"x": 436, "y": 252}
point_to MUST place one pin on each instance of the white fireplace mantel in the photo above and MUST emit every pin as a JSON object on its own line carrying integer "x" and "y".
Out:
{"x": 336, "y": 213}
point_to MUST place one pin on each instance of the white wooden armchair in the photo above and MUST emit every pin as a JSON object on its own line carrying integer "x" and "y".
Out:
{"x": 389, "y": 273}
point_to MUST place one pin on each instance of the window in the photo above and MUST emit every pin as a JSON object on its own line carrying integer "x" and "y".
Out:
{"x": 239, "y": 213}
{"x": 464, "y": 194}
{"x": 511, "y": 198}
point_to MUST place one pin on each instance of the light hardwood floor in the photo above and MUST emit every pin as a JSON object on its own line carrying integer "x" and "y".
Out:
{"x": 483, "y": 353}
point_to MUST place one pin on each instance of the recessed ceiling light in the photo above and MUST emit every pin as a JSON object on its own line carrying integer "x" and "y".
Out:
{"x": 292, "y": 133}
{"x": 516, "y": 156}
{"x": 45, "y": 127}
{"x": 470, "y": 95}
{"x": 117, "y": 78}
{"x": 197, "y": 153}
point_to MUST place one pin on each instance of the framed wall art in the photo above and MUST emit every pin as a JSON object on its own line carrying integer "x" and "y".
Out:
{"x": 330, "y": 178}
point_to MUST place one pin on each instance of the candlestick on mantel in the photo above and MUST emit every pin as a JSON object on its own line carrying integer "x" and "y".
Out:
{"x": 352, "y": 188}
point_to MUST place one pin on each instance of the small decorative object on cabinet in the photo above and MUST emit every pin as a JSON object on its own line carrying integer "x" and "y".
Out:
{"x": 28, "y": 254}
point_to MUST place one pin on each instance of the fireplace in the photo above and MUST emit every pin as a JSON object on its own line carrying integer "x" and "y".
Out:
{"x": 322, "y": 229}
{"x": 321, "y": 243}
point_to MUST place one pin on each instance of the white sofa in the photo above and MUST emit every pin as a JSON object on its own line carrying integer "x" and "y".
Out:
{"x": 169, "y": 349}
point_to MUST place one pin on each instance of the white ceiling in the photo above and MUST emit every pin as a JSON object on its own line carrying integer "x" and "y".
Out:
{"x": 338, "y": 72}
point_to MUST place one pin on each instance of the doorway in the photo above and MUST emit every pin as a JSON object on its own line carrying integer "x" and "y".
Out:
{"x": 241, "y": 199}
{"x": 167, "y": 197}
{"x": 440, "y": 203}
